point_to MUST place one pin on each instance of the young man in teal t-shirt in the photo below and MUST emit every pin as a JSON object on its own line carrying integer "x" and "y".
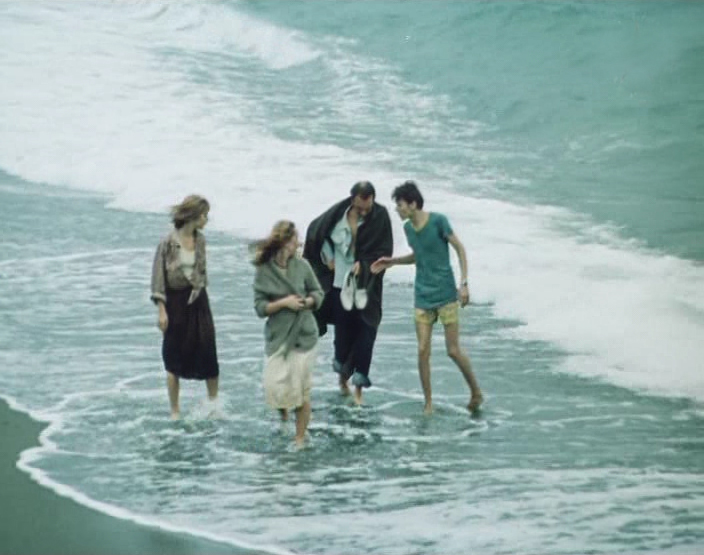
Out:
{"x": 429, "y": 235}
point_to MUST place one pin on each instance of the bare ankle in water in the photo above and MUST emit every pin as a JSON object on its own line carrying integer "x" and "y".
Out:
{"x": 475, "y": 401}
{"x": 358, "y": 395}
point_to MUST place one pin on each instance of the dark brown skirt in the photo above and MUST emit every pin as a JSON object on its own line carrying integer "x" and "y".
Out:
{"x": 188, "y": 348}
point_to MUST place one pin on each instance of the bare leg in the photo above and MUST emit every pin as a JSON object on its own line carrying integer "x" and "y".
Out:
{"x": 307, "y": 414}
{"x": 212, "y": 385}
{"x": 284, "y": 415}
{"x": 424, "y": 333}
{"x": 460, "y": 358}
{"x": 358, "y": 395}
{"x": 302, "y": 420}
{"x": 344, "y": 388}
{"x": 172, "y": 387}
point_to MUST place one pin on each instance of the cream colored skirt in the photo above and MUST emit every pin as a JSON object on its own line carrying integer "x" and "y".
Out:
{"x": 287, "y": 381}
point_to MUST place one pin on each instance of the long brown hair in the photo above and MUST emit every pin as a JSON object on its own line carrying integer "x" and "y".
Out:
{"x": 282, "y": 232}
{"x": 191, "y": 208}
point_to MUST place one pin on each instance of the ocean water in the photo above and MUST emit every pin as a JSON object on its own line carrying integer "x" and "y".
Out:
{"x": 563, "y": 140}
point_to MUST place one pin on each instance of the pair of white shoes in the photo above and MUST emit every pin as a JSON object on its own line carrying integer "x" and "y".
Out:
{"x": 351, "y": 296}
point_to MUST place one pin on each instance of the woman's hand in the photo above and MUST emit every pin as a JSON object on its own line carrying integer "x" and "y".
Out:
{"x": 294, "y": 302}
{"x": 163, "y": 321}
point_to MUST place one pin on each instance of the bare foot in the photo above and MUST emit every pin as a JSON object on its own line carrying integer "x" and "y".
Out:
{"x": 300, "y": 442}
{"x": 358, "y": 395}
{"x": 213, "y": 409}
{"x": 175, "y": 415}
{"x": 428, "y": 409}
{"x": 475, "y": 401}
{"x": 344, "y": 388}
{"x": 215, "y": 414}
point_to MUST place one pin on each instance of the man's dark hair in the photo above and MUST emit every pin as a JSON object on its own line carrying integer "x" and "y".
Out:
{"x": 363, "y": 189}
{"x": 408, "y": 192}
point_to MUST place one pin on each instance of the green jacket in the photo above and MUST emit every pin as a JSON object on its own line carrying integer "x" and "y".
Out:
{"x": 293, "y": 330}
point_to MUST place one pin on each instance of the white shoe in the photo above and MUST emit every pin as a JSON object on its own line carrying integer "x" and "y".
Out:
{"x": 347, "y": 292}
{"x": 360, "y": 298}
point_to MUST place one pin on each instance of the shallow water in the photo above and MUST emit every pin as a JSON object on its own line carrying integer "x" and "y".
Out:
{"x": 587, "y": 317}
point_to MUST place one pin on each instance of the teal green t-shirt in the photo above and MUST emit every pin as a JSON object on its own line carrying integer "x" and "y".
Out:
{"x": 435, "y": 280}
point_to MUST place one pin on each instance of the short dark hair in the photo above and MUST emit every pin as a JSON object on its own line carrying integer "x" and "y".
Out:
{"x": 408, "y": 192}
{"x": 363, "y": 189}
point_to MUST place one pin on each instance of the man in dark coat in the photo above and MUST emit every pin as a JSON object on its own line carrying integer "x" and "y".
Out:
{"x": 343, "y": 242}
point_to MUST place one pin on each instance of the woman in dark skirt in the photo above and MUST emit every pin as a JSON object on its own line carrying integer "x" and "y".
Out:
{"x": 179, "y": 279}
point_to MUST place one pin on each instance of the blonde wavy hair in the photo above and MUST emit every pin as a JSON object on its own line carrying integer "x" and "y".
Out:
{"x": 282, "y": 232}
{"x": 191, "y": 208}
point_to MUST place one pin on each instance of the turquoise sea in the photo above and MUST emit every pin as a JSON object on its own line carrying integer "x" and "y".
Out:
{"x": 562, "y": 139}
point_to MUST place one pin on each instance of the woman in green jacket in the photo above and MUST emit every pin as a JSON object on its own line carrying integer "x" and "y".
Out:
{"x": 286, "y": 292}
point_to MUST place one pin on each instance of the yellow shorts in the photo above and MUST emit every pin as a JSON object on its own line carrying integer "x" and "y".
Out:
{"x": 447, "y": 314}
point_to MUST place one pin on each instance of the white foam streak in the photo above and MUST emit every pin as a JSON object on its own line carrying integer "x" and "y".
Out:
{"x": 216, "y": 27}
{"x": 624, "y": 314}
{"x": 29, "y": 457}
{"x": 116, "y": 124}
